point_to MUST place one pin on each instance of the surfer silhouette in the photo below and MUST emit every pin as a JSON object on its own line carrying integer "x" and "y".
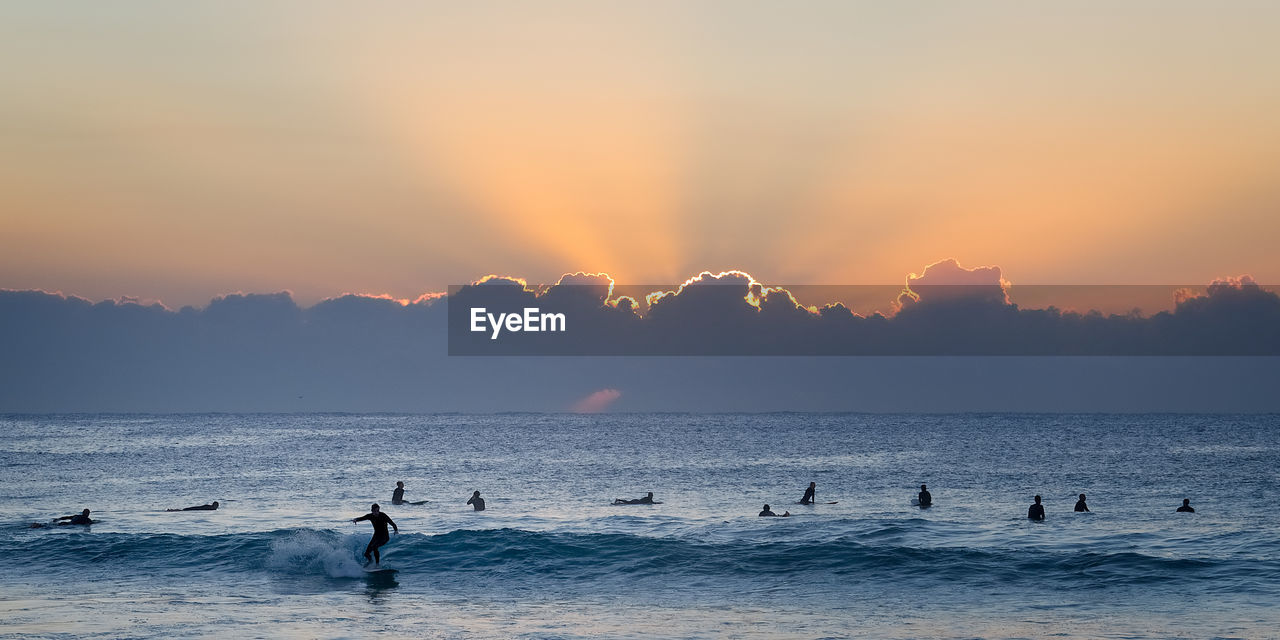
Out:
{"x": 924, "y": 497}
{"x": 1080, "y": 505}
{"x": 397, "y": 496}
{"x": 1036, "y": 512}
{"x": 645, "y": 500}
{"x": 379, "y": 520}
{"x": 476, "y": 501}
{"x": 1185, "y": 508}
{"x": 204, "y": 507}
{"x": 79, "y": 518}
{"x": 808, "y": 493}
{"x": 768, "y": 513}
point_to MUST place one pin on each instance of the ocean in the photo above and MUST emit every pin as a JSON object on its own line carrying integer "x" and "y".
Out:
{"x": 552, "y": 558}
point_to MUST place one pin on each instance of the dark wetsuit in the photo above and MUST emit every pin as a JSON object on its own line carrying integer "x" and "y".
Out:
{"x": 203, "y": 507}
{"x": 79, "y": 518}
{"x": 1186, "y": 508}
{"x": 477, "y": 502}
{"x": 1036, "y": 512}
{"x": 380, "y": 537}
{"x": 397, "y": 496}
{"x": 925, "y": 498}
{"x": 1081, "y": 506}
{"x": 808, "y": 496}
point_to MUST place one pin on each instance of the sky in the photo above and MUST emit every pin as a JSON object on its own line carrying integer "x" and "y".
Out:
{"x": 179, "y": 151}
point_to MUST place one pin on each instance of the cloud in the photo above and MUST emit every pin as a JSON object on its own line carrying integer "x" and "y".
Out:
{"x": 264, "y": 352}
{"x": 946, "y": 282}
{"x": 597, "y": 402}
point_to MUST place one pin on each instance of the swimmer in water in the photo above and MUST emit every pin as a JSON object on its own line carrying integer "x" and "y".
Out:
{"x": 204, "y": 507}
{"x": 1080, "y": 505}
{"x": 1036, "y": 512}
{"x": 1185, "y": 508}
{"x": 476, "y": 501}
{"x": 768, "y": 513}
{"x": 379, "y": 520}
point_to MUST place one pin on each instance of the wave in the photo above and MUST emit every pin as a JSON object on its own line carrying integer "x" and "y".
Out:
{"x": 513, "y": 554}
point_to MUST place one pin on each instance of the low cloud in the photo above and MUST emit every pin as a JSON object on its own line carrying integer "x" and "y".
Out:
{"x": 597, "y": 402}
{"x": 365, "y": 351}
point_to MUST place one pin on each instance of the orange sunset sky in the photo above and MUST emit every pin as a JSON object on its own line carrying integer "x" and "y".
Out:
{"x": 176, "y": 151}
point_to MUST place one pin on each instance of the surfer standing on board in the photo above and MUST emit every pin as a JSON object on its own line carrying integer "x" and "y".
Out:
{"x": 379, "y": 520}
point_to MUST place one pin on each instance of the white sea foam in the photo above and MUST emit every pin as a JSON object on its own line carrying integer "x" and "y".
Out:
{"x": 313, "y": 552}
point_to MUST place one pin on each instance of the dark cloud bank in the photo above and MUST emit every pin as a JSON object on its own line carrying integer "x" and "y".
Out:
{"x": 1217, "y": 352}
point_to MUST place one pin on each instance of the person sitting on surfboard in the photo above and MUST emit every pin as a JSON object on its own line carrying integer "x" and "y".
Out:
{"x": 924, "y": 496}
{"x": 645, "y": 500}
{"x": 476, "y": 501}
{"x": 1080, "y": 505}
{"x": 770, "y": 514}
{"x": 808, "y": 493}
{"x": 204, "y": 507}
{"x": 1185, "y": 508}
{"x": 397, "y": 496}
{"x": 379, "y": 520}
{"x": 1036, "y": 511}
{"x": 79, "y": 518}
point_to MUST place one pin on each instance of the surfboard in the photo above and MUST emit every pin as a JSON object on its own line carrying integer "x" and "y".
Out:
{"x": 380, "y": 571}
{"x": 813, "y": 503}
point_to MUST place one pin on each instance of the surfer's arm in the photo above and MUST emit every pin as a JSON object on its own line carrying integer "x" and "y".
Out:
{"x": 363, "y": 517}
{"x": 393, "y": 524}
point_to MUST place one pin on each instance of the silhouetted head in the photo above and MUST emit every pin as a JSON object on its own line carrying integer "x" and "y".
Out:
{"x": 375, "y": 508}
{"x": 475, "y": 495}
{"x": 85, "y": 512}
{"x": 215, "y": 503}
{"x": 399, "y": 484}
{"x": 650, "y": 494}
{"x": 1185, "y": 502}
{"x": 924, "y": 487}
{"x": 1082, "y": 497}
{"x": 766, "y": 507}
{"x": 1037, "y": 499}
{"x": 812, "y": 485}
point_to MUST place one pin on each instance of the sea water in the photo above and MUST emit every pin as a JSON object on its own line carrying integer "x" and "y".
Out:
{"x": 551, "y": 558}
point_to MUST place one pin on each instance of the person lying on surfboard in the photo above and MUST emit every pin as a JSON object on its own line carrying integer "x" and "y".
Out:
{"x": 768, "y": 513}
{"x": 79, "y": 518}
{"x": 379, "y": 520}
{"x": 645, "y": 500}
{"x": 203, "y": 507}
